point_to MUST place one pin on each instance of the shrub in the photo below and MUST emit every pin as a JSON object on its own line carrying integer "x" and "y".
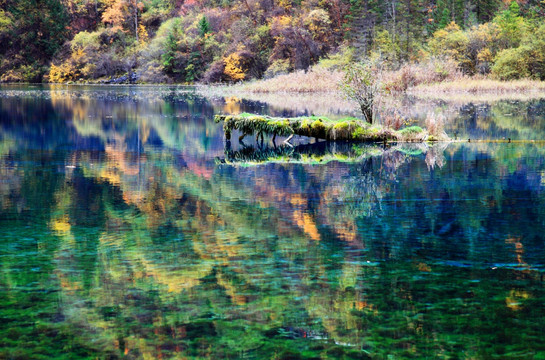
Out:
{"x": 393, "y": 120}
{"x": 472, "y": 49}
{"x": 278, "y": 67}
{"x": 215, "y": 72}
{"x": 85, "y": 41}
{"x": 451, "y": 42}
{"x": 338, "y": 61}
{"x": 362, "y": 83}
{"x": 386, "y": 48}
{"x": 63, "y": 73}
{"x": 512, "y": 64}
{"x": 238, "y": 64}
{"x": 24, "y": 73}
{"x": 527, "y": 60}
{"x": 512, "y": 26}
{"x": 152, "y": 72}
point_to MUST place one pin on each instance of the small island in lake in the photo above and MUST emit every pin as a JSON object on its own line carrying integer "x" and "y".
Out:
{"x": 320, "y": 127}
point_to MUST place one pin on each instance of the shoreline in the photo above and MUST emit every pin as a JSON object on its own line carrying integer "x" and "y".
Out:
{"x": 480, "y": 89}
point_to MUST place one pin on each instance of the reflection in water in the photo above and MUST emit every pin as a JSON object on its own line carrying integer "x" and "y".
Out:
{"x": 130, "y": 230}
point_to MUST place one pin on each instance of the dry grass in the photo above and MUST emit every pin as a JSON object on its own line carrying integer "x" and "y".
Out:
{"x": 428, "y": 72}
{"x": 323, "y": 103}
{"x": 314, "y": 80}
{"x": 435, "y": 124}
{"x": 480, "y": 85}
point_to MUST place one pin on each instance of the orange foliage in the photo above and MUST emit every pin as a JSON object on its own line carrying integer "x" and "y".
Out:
{"x": 115, "y": 14}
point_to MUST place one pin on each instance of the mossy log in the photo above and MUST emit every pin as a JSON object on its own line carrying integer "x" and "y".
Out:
{"x": 348, "y": 129}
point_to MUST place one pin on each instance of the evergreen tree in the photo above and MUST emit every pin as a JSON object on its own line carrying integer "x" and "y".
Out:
{"x": 169, "y": 55}
{"x": 362, "y": 21}
{"x": 204, "y": 26}
{"x": 37, "y": 30}
{"x": 445, "y": 18}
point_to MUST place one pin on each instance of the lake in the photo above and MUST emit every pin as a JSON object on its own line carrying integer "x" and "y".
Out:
{"x": 131, "y": 229}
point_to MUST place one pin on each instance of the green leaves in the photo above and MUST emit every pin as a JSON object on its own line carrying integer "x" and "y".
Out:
{"x": 204, "y": 26}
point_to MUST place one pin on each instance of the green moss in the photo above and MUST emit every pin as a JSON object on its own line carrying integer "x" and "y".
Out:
{"x": 305, "y": 124}
{"x": 319, "y": 127}
{"x": 349, "y": 119}
{"x": 319, "y": 118}
{"x": 364, "y": 133}
{"x": 318, "y": 124}
{"x": 411, "y": 130}
{"x": 341, "y": 125}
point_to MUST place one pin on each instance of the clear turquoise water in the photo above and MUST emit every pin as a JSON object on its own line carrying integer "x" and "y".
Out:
{"x": 129, "y": 230}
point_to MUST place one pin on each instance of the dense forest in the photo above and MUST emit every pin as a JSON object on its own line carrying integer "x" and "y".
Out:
{"x": 184, "y": 41}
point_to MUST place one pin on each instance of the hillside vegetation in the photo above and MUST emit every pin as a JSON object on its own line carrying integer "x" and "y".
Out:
{"x": 187, "y": 41}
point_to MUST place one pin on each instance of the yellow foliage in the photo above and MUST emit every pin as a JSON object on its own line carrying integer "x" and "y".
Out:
{"x": 62, "y": 73}
{"x": 70, "y": 69}
{"x": 286, "y": 4}
{"x": 317, "y": 21}
{"x": 282, "y": 21}
{"x": 234, "y": 67}
{"x": 485, "y": 55}
{"x": 143, "y": 35}
{"x": 78, "y": 55}
{"x": 115, "y": 14}
{"x": 88, "y": 70}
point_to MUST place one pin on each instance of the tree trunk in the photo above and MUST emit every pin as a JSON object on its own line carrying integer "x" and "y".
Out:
{"x": 136, "y": 19}
{"x": 408, "y": 29}
{"x": 367, "y": 113}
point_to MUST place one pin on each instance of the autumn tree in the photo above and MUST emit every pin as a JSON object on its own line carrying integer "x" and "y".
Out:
{"x": 124, "y": 13}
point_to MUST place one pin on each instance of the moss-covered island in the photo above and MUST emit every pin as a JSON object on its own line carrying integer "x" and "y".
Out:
{"x": 319, "y": 127}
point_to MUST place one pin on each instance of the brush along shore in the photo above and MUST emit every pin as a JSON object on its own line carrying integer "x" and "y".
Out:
{"x": 319, "y": 127}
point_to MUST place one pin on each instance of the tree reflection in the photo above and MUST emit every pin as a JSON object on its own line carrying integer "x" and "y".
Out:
{"x": 145, "y": 240}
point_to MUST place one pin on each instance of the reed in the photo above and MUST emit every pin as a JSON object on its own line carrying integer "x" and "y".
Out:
{"x": 314, "y": 80}
{"x": 481, "y": 86}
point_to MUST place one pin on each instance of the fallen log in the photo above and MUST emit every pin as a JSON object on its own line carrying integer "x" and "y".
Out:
{"x": 348, "y": 129}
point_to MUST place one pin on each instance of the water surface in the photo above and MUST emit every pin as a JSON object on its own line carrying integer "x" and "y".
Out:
{"x": 129, "y": 229}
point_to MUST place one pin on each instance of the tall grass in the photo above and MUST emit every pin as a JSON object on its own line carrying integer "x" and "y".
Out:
{"x": 477, "y": 85}
{"x": 435, "y": 124}
{"x": 314, "y": 80}
{"x": 427, "y": 72}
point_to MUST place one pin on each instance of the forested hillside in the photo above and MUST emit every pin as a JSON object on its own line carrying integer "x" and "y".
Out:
{"x": 185, "y": 41}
